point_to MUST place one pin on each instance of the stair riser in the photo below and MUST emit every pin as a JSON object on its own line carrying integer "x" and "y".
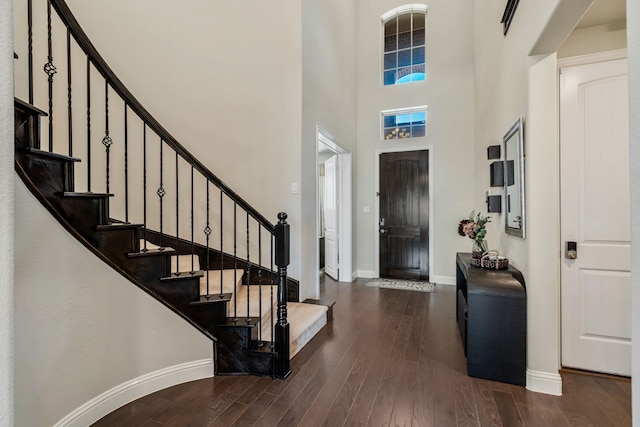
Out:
{"x": 52, "y": 176}
{"x": 27, "y": 127}
{"x": 232, "y": 353}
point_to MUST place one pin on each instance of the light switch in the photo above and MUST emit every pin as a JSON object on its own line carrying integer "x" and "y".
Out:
{"x": 294, "y": 188}
{"x": 366, "y": 209}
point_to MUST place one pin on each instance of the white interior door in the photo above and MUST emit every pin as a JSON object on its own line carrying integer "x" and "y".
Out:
{"x": 331, "y": 217}
{"x": 596, "y": 286}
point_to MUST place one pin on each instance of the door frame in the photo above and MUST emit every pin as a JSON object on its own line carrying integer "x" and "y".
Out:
{"x": 587, "y": 59}
{"x": 343, "y": 176}
{"x": 376, "y": 227}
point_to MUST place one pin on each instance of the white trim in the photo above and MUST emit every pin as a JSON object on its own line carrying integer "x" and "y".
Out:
{"x": 610, "y": 55}
{"x": 366, "y": 274}
{"x": 403, "y": 9}
{"x": 354, "y": 275}
{"x": 345, "y": 251}
{"x": 544, "y": 382}
{"x": 120, "y": 395}
{"x": 377, "y": 204}
{"x": 442, "y": 280}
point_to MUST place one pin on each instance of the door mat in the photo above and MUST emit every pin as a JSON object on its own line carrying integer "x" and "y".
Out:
{"x": 409, "y": 285}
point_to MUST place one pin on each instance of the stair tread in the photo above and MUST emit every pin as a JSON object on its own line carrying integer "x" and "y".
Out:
{"x": 28, "y": 106}
{"x": 229, "y": 322}
{"x": 183, "y": 275}
{"x": 42, "y": 153}
{"x": 151, "y": 252}
{"x": 305, "y": 321}
{"x": 212, "y": 299}
{"x": 88, "y": 194}
{"x": 117, "y": 226}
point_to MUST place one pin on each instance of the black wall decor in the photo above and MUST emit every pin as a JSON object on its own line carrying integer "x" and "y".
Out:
{"x": 497, "y": 174}
{"x": 507, "y": 16}
{"x": 493, "y": 152}
{"x": 494, "y": 203}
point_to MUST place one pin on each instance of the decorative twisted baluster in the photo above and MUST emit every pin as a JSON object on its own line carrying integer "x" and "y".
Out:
{"x": 69, "y": 100}
{"x": 50, "y": 70}
{"x": 161, "y": 192}
{"x": 107, "y": 141}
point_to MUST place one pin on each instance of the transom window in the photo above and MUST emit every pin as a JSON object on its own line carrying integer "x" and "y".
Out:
{"x": 404, "y": 44}
{"x": 406, "y": 123}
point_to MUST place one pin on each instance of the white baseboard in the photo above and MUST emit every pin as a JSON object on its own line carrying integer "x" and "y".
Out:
{"x": 544, "y": 382}
{"x": 136, "y": 388}
{"x": 443, "y": 280}
{"x": 354, "y": 275}
{"x": 366, "y": 274}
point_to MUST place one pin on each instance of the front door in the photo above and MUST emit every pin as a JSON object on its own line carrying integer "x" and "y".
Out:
{"x": 404, "y": 215}
{"x": 596, "y": 285}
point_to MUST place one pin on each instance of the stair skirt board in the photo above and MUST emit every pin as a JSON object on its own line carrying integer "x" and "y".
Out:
{"x": 127, "y": 392}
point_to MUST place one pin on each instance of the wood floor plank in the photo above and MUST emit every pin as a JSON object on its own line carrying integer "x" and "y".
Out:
{"x": 388, "y": 358}
{"x": 485, "y": 404}
{"x": 507, "y": 409}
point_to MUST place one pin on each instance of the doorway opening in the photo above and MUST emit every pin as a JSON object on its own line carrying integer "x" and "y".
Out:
{"x": 333, "y": 178}
{"x": 403, "y": 234}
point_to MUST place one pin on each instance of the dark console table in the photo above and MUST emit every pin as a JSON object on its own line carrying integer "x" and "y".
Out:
{"x": 491, "y": 310}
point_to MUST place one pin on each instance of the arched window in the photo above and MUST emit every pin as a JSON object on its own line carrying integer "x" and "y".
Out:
{"x": 404, "y": 44}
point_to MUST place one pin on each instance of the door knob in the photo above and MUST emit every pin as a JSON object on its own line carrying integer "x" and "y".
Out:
{"x": 383, "y": 230}
{"x": 571, "y": 250}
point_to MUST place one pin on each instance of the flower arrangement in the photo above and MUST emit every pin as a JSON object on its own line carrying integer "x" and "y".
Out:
{"x": 475, "y": 228}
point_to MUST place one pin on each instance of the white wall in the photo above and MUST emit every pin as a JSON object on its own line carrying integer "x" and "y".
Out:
{"x": 448, "y": 91}
{"x": 511, "y": 83}
{"x": 633, "y": 51}
{"x": 328, "y": 101}
{"x": 219, "y": 79}
{"x": 598, "y": 38}
{"x": 6, "y": 216}
{"x": 81, "y": 328}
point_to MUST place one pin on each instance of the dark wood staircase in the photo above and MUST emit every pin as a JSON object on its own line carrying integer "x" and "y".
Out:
{"x": 238, "y": 348}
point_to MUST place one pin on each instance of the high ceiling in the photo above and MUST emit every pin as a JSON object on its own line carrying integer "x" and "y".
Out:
{"x": 604, "y": 12}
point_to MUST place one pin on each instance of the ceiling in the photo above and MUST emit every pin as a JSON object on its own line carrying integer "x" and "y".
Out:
{"x": 604, "y": 12}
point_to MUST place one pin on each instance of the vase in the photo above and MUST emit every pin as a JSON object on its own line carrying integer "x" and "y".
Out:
{"x": 478, "y": 249}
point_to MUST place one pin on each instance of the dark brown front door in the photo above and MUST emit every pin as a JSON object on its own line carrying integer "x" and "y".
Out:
{"x": 404, "y": 215}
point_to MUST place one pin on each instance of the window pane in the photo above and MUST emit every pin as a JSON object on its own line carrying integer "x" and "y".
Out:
{"x": 390, "y": 43}
{"x": 390, "y": 27}
{"x": 417, "y": 131}
{"x": 390, "y": 60}
{"x": 418, "y": 56}
{"x": 404, "y": 58}
{"x": 404, "y": 40}
{"x": 389, "y": 121}
{"x": 418, "y": 37}
{"x": 404, "y": 23}
{"x": 418, "y": 20}
{"x": 390, "y": 133}
{"x": 418, "y": 117}
{"x": 390, "y": 77}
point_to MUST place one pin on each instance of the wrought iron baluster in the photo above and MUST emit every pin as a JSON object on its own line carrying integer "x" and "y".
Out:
{"x": 88, "y": 124}
{"x": 161, "y": 193}
{"x": 69, "y": 99}
{"x": 30, "y": 47}
{"x": 193, "y": 248}
{"x": 248, "y": 273}
{"x": 207, "y": 233}
{"x": 107, "y": 141}
{"x": 126, "y": 163}
{"x": 221, "y": 246}
{"x": 260, "y": 343}
{"x": 235, "y": 262}
{"x": 177, "y": 216}
{"x": 50, "y": 70}
{"x": 144, "y": 184}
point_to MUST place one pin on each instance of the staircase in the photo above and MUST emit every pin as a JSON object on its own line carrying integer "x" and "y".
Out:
{"x": 207, "y": 255}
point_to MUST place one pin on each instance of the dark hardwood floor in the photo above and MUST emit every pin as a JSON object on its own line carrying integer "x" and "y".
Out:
{"x": 390, "y": 358}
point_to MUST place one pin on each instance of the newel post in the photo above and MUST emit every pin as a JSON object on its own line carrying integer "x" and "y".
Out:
{"x": 283, "y": 368}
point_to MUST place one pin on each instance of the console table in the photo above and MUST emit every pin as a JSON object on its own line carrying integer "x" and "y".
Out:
{"x": 491, "y": 310}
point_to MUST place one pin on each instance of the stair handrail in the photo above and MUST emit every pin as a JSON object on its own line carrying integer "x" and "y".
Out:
{"x": 103, "y": 68}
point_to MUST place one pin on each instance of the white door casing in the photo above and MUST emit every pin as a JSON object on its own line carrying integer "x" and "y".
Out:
{"x": 331, "y": 217}
{"x": 595, "y": 193}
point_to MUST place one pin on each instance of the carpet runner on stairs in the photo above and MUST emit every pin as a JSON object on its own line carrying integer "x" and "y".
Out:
{"x": 305, "y": 320}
